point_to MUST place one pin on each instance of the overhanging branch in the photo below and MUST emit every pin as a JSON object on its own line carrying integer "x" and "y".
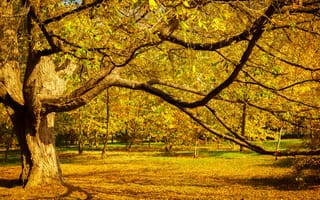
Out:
{"x": 257, "y": 31}
{"x": 207, "y": 46}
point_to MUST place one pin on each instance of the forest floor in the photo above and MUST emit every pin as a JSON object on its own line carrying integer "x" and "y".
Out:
{"x": 154, "y": 175}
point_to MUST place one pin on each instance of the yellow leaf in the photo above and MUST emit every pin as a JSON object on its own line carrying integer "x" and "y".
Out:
{"x": 184, "y": 25}
{"x": 186, "y": 4}
{"x": 153, "y": 4}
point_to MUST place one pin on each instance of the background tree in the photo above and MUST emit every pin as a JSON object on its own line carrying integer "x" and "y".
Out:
{"x": 7, "y": 139}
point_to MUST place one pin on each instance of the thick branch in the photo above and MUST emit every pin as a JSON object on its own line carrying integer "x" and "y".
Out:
{"x": 213, "y": 131}
{"x": 207, "y": 46}
{"x": 225, "y": 42}
{"x": 258, "y": 29}
{"x": 249, "y": 145}
{"x": 6, "y": 99}
{"x": 80, "y": 96}
{"x": 311, "y": 7}
{"x": 92, "y": 87}
{"x": 242, "y": 141}
{"x": 235, "y": 138}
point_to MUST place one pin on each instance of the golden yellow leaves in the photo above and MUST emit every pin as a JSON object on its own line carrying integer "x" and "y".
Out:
{"x": 153, "y": 4}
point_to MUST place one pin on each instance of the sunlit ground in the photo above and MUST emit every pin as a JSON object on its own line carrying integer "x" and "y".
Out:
{"x": 153, "y": 175}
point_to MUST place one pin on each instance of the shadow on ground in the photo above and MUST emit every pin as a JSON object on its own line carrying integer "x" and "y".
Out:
{"x": 284, "y": 183}
{"x": 71, "y": 191}
{"x": 287, "y": 183}
{"x": 74, "y": 190}
{"x": 9, "y": 183}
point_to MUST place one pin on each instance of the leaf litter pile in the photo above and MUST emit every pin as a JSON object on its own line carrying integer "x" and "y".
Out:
{"x": 137, "y": 175}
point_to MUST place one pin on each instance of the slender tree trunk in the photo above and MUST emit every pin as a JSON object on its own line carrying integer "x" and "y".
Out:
{"x": 40, "y": 163}
{"x": 149, "y": 142}
{"x": 9, "y": 143}
{"x": 195, "y": 153}
{"x": 106, "y": 137}
{"x": 80, "y": 137}
{"x": 80, "y": 144}
{"x": 105, "y": 143}
{"x": 243, "y": 123}
{"x": 278, "y": 143}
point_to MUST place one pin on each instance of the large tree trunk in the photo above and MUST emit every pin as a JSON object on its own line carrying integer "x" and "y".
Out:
{"x": 35, "y": 130}
{"x": 40, "y": 163}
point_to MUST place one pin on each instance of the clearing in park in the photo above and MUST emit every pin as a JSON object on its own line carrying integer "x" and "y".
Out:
{"x": 148, "y": 173}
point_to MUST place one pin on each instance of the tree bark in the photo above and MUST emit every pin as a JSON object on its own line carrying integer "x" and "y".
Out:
{"x": 35, "y": 130}
{"x": 40, "y": 163}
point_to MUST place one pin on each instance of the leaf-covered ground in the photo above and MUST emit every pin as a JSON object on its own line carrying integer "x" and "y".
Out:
{"x": 142, "y": 175}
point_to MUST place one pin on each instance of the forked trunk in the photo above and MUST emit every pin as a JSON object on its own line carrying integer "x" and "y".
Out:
{"x": 35, "y": 130}
{"x": 40, "y": 163}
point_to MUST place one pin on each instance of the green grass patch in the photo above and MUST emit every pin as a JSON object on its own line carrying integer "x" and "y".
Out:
{"x": 13, "y": 157}
{"x": 284, "y": 144}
